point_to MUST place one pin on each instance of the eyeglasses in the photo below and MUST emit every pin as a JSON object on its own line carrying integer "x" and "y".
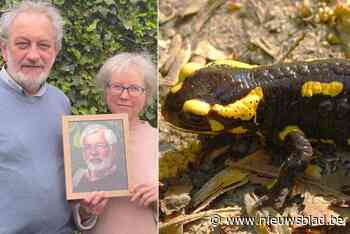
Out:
{"x": 133, "y": 90}
{"x": 97, "y": 147}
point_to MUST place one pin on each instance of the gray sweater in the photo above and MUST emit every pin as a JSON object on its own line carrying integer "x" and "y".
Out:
{"x": 31, "y": 161}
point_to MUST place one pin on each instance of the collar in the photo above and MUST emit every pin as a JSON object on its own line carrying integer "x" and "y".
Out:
{"x": 5, "y": 76}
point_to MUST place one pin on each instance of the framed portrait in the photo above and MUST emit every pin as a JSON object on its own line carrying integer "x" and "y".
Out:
{"x": 95, "y": 154}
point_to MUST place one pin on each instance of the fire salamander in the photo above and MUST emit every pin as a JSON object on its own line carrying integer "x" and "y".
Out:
{"x": 287, "y": 103}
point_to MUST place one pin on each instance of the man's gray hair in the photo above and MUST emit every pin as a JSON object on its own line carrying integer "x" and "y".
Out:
{"x": 124, "y": 61}
{"x": 93, "y": 128}
{"x": 41, "y": 7}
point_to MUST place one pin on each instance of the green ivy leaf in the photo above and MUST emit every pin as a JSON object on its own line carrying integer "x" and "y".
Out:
{"x": 92, "y": 27}
{"x": 93, "y": 110}
{"x": 59, "y": 2}
{"x": 109, "y": 2}
{"x": 76, "y": 53}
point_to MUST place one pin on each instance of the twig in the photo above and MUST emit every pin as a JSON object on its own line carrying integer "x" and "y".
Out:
{"x": 218, "y": 193}
{"x": 205, "y": 14}
{"x": 258, "y": 11}
{"x": 265, "y": 46}
{"x": 293, "y": 47}
{"x": 183, "y": 219}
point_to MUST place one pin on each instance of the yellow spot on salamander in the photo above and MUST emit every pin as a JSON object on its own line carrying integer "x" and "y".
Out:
{"x": 196, "y": 107}
{"x": 176, "y": 87}
{"x": 311, "y": 88}
{"x": 327, "y": 141}
{"x": 186, "y": 70}
{"x": 232, "y": 63}
{"x": 283, "y": 134}
{"x": 244, "y": 109}
{"x": 216, "y": 125}
{"x": 348, "y": 141}
{"x": 238, "y": 130}
{"x": 189, "y": 68}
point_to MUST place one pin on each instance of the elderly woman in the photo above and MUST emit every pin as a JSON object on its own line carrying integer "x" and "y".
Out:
{"x": 129, "y": 83}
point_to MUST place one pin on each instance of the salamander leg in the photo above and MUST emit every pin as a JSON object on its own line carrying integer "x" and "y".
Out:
{"x": 300, "y": 153}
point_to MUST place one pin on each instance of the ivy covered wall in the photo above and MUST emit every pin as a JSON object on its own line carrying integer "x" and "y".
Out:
{"x": 94, "y": 31}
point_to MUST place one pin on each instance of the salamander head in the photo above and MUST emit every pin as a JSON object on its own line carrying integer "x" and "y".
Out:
{"x": 211, "y": 100}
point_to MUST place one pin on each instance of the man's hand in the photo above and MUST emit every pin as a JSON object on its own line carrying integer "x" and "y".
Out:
{"x": 144, "y": 194}
{"x": 94, "y": 204}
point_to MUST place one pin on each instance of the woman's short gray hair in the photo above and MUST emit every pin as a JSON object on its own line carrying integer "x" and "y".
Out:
{"x": 41, "y": 7}
{"x": 93, "y": 128}
{"x": 124, "y": 61}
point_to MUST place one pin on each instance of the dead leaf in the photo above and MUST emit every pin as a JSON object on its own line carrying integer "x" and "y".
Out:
{"x": 225, "y": 178}
{"x": 192, "y": 8}
{"x": 182, "y": 57}
{"x": 163, "y": 57}
{"x": 174, "y": 49}
{"x": 176, "y": 198}
{"x": 317, "y": 210}
{"x": 166, "y": 13}
{"x": 218, "y": 193}
{"x": 234, "y": 5}
{"x": 179, "y": 189}
{"x": 198, "y": 59}
{"x": 265, "y": 46}
{"x": 206, "y": 50}
{"x": 173, "y": 163}
{"x": 258, "y": 162}
{"x": 205, "y": 13}
{"x": 256, "y": 179}
{"x": 320, "y": 212}
{"x": 174, "y": 203}
{"x": 262, "y": 218}
{"x": 209, "y": 157}
{"x": 172, "y": 229}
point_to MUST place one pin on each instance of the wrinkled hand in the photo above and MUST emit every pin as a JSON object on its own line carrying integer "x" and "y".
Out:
{"x": 144, "y": 194}
{"x": 94, "y": 204}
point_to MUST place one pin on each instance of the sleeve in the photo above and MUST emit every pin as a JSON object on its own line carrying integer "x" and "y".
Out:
{"x": 67, "y": 105}
{"x": 83, "y": 225}
{"x": 155, "y": 210}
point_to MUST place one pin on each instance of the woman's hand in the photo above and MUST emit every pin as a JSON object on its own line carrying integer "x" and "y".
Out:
{"x": 144, "y": 194}
{"x": 94, "y": 204}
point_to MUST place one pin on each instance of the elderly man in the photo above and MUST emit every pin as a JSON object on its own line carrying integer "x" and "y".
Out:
{"x": 31, "y": 165}
{"x": 99, "y": 150}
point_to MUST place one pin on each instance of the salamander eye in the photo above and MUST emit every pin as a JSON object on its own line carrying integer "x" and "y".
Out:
{"x": 195, "y": 119}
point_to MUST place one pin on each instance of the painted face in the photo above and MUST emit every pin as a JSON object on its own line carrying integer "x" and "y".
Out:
{"x": 97, "y": 152}
{"x": 126, "y": 93}
{"x": 30, "y": 50}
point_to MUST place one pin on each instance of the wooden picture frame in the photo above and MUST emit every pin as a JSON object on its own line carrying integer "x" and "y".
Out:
{"x": 95, "y": 155}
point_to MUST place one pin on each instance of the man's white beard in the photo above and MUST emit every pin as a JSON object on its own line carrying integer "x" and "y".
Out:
{"x": 29, "y": 85}
{"x": 102, "y": 166}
